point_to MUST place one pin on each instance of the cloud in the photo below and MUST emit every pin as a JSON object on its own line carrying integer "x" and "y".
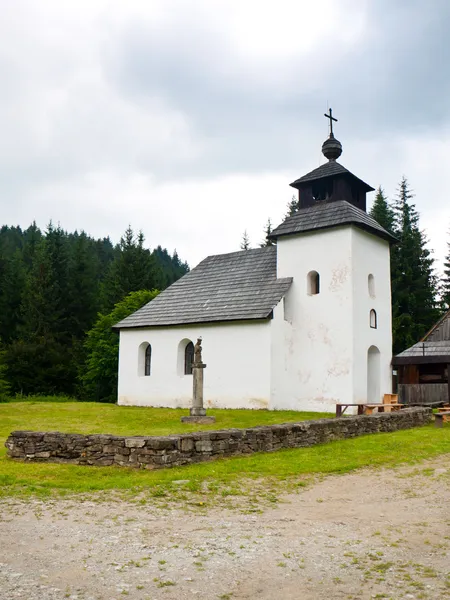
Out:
{"x": 188, "y": 119}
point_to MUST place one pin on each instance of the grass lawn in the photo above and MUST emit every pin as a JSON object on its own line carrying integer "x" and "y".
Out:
{"x": 280, "y": 470}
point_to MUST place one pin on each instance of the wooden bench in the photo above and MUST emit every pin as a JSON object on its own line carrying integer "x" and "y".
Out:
{"x": 440, "y": 417}
{"x": 341, "y": 407}
{"x": 369, "y": 408}
{"x": 365, "y": 408}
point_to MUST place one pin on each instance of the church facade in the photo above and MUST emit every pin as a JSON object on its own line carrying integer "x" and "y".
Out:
{"x": 299, "y": 325}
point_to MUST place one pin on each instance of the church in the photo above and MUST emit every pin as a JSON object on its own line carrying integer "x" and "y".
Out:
{"x": 299, "y": 325}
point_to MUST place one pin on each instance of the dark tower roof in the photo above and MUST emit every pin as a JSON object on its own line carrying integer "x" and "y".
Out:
{"x": 331, "y": 182}
{"x": 329, "y": 169}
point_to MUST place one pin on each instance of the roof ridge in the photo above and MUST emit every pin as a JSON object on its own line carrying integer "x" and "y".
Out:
{"x": 236, "y": 252}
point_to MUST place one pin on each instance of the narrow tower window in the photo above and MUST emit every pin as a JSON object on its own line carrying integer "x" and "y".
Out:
{"x": 188, "y": 358}
{"x": 373, "y": 319}
{"x": 371, "y": 283}
{"x": 313, "y": 283}
{"x": 148, "y": 360}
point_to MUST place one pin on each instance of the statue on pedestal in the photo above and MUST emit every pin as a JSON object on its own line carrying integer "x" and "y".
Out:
{"x": 197, "y": 411}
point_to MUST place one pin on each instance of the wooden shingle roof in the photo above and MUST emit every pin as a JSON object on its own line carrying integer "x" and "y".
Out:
{"x": 326, "y": 215}
{"x": 433, "y": 347}
{"x": 225, "y": 287}
{"x": 328, "y": 169}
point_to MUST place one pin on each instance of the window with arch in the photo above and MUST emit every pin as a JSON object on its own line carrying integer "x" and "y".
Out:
{"x": 144, "y": 359}
{"x": 373, "y": 319}
{"x": 148, "y": 361}
{"x": 371, "y": 285}
{"x": 188, "y": 358}
{"x": 185, "y": 357}
{"x": 313, "y": 283}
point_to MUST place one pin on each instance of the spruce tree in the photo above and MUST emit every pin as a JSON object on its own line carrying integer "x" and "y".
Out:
{"x": 382, "y": 212}
{"x": 245, "y": 242}
{"x": 292, "y": 207}
{"x": 267, "y": 231}
{"x": 134, "y": 268}
{"x": 445, "y": 283}
{"x": 83, "y": 302}
{"x": 414, "y": 307}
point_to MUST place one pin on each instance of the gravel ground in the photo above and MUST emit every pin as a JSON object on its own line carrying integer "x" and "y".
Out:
{"x": 370, "y": 534}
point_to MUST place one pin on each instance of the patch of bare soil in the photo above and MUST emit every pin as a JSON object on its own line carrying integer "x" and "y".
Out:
{"x": 370, "y": 534}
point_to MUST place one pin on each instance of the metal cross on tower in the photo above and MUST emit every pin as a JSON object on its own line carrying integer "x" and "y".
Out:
{"x": 330, "y": 116}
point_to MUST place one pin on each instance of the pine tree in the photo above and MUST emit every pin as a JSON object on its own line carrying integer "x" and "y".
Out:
{"x": 245, "y": 243}
{"x": 45, "y": 302}
{"x": 134, "y": 268}
{"x": 83, "y": 302}
{"x": 292, "y": 207}
{"x": 267, "y": 231}
{"x": 414, "y": 307}
{"x": 382, "y": 212}
{"x": 445, "y": 283}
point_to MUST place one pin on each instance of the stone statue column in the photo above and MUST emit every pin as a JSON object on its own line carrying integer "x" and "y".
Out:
{"x": 198, "y": 365}
{"x": 197, "y": 411}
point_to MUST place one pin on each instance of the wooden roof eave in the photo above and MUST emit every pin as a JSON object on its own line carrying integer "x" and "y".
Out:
{"x": 420, "y": 360}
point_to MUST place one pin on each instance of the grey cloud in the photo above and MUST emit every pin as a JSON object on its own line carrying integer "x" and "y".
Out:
{"x": 394, "y": 79}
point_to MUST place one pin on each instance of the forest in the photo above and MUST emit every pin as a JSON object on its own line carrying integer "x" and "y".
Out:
{"x": 55, "y": 287}
{"x": 61, "y": 293}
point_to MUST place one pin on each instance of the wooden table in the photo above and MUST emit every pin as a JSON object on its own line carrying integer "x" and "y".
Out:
{"x": 365, "y": 408}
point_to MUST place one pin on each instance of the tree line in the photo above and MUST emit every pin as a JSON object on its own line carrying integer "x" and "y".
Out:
{"x": 419, "y": 295}
{"x": 55, "y": 287}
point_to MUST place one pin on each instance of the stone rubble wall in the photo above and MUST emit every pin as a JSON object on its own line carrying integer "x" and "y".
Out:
{"x": 174, "y": 450}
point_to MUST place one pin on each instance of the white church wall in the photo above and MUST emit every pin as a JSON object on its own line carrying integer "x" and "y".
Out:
{"x": 237, "y": 373}
{"x": 312, "y": 349}
{"x": 371, "y": 258}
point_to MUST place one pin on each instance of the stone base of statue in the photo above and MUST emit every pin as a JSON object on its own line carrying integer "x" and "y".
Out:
{"x": 201, "y": 420}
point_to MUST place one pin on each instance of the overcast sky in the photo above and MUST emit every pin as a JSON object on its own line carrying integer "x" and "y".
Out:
{"x": 188, "y": 119}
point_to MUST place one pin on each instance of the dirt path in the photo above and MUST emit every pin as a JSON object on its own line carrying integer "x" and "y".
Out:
{"x": 371, "y": 534}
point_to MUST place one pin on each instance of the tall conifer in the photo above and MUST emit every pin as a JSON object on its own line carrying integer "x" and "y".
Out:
{"x": 414, "y": 308}
{"x": 382, "y": 212}
{"x": 245, "y": 242}
{"x": 445, "y": 283}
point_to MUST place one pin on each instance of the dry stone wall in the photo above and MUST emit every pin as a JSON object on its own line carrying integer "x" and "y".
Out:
{"x": 174, "y": 450}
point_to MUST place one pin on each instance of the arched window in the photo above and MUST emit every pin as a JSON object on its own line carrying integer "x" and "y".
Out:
{"x": 148, "y": 360}
{"x": 373, "y": 319}
{"x": 188, "y": 358}
{"x": 144, "y": 359}
{"x": 371, "y": 284}
{"x": 313, "y": 283}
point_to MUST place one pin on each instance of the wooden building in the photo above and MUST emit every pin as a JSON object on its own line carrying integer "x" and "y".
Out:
{"x": 423, "y": 370}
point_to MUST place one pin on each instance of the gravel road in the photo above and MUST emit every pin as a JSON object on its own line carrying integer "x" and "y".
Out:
{"x": 369, "y": 534}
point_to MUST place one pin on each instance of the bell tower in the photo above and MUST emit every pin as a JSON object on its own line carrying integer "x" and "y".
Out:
{"x": 331, "y": 181}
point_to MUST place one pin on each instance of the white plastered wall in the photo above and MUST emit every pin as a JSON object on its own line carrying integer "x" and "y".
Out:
{"x": 371, "y": 257}
{"x": 320, "y": 342}
{"x": 237, "y": 375}
{"x": 312, "y": 341}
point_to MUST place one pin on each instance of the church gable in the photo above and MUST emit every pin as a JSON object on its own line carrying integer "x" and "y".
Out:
{"x": 225, "y": 287}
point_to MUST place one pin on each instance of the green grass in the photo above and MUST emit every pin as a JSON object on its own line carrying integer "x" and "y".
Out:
{"x": 224, "y": 478}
